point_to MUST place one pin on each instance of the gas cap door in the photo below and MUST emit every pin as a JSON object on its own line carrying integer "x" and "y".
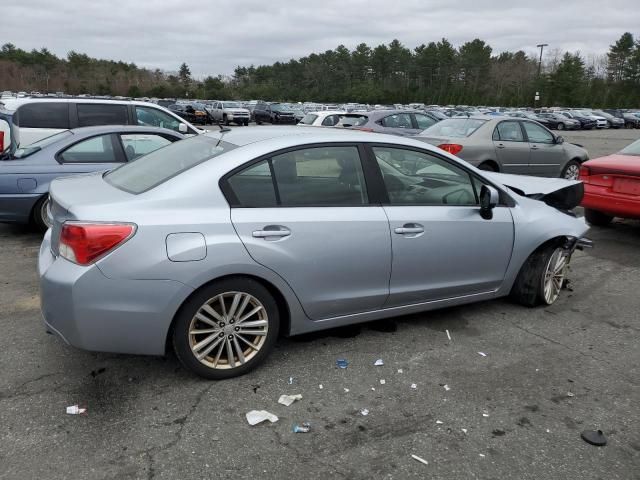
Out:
{"x": 186, "y": 247}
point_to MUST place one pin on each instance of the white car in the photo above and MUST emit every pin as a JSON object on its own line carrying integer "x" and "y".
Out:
{"x": 601, "y": 122}
{"x": 327, "y": 118}
{"x": 38, "y": 118}
{"x": 230, "y": 112}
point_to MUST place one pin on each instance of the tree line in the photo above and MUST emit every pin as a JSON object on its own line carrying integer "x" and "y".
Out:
{"x": 435, "y": 73}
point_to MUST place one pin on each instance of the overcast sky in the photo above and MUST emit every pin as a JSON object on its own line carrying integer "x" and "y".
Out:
{"x": 213, "y": 37}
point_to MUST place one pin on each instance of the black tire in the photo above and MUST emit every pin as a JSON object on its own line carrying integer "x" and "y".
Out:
{"x": 225, "y": 120}
{"x": 185, "y": 315}
{"x": 39, "y": 214}
{"x": 599, "y": 219}
{"x": 246, "y": 123}
{"x": 571, "y": 165}
{"x": 488, "y": 167}
{"x": 561, "y": 126}
{"x": 528, "y": 289}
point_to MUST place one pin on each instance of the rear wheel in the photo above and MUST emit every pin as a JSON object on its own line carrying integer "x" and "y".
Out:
{"x": 571, "y": 170}
{"x": 541, "y": 277}
{"x": 40, "y": 216}
{"x": 226, "y": 329}
{"x": 561, "y": 126}
{"x": 599, "y": 219}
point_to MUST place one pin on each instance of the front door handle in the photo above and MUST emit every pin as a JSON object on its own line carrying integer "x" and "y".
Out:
{"x": 534, "y": 147}
{"x": 272, "y": 231}
{"x": 500, "y": 145}
{"x": 409, "y": 229}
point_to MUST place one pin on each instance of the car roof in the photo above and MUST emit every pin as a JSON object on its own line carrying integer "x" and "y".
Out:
{"x": 14, "y": 103}
{"x": 98, "y": 129}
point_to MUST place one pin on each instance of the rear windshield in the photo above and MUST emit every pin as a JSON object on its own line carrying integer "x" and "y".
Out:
{"x": 633, "y": 149}
{"x": 454, "y": 127}
{"x": 160, "y": 165}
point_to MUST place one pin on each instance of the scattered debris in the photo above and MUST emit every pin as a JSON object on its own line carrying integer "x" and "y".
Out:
{"x": 382, "y": 381}
{"x": 364, "y": 412}
{"x": 485, "y": 414}
{"x": 342, "y": 363}
{"x": 255, "y": 417}
{"x": 304, "y": 428}
{"x": 76, "y": 410}
{"x": 373, "y": 389}
{"x": 548, "y": 431}
{"x": 571, "y": 394}
{"x": 481, "y": 454}
{"x": 320, "y": 387}
{"x": 95, "y": 373}
{"x": 346, "y": 390}
{"x": 379, "y": 362}
{"x": 446, "y": 387}
{"x": 448, "y": 335}
{"x": 498, "y": 433}
{"x": 421, "y": 460}
{"x": 414, "y": 386}
{"x": 482, "y": 353}
{"x": 287, "y": 400}
{"x": 464, "y": 430}
{"x": 439, "y": 422}
{"x": 594, "y": 437}
{"x": 290, "y": 380}
{"x": 255, "y": 388}
{"x": 399, "y": 370}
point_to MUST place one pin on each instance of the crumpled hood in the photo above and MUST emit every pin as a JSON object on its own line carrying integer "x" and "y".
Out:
{"x": 556, "y": 192}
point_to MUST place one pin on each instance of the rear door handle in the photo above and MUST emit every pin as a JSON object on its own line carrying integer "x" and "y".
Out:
{"x": 272, "y": 231}
{"x": 409, "y": 228}
{"x": 500, "y": 145}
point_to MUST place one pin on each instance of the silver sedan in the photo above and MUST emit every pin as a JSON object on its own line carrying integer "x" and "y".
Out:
{"x": 509, "y": 145}
{"x": 219, "y": 243}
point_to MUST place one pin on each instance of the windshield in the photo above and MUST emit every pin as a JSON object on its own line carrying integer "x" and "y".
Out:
{"x": 160, "y": 165}
{"x": 308, "y": 119}
{"x": 231, "y": 105}
{"x": 633, "y": 149}
{"x": 454, "y": 127}
{"x": 40, "y": 144}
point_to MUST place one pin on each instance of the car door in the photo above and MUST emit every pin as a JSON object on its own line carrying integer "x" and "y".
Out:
{"x": 305, "y": 214}
{"x": 511, "y": 147}
{"x": 547, "y": 157}
{"x": 441, "y": 246}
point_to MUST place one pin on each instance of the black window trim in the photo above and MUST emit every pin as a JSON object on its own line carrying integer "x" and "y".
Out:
{"x": 369, "y": 179}
{"x": 118, "y": 150}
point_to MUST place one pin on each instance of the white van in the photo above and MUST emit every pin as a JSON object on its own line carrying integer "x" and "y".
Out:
{"x": 38, "y": 118}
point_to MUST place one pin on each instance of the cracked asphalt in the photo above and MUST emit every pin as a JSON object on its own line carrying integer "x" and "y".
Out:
{"x": 548, "y": 374}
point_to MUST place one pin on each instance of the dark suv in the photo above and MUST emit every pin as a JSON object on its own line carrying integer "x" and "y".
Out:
{"x": 273, "y": 113}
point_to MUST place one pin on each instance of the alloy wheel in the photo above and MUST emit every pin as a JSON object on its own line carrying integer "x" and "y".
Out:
{"x": 554, "y": 274}
{"x": 44, "y": 213}
{"x": 228, "y": 330}
{"x": 572, "y": 172}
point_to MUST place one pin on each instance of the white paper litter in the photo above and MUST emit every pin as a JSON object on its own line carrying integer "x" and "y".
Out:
{"x": 399, "y": 370}
{"x": 290, "y": 380}
{"x": 485, "y": 414}
{"x": 346, "y": 390}
{"x": 287, "y": 400}
{"x": 373, "y": 389}
{"x": 421, "y": 460}
{"x": 448, "y": 335}
{"x": 439, "y": 422}
{"x": 414, "y": 386}
{"x": 571, "y": 394}
{"x": 255, "y": 417}
{"x": 364, "y": 412}
{"x": 481, "y": 454}
{"x": 320, "y": 387}
{"x": 447, "y": 387}
{"x": 382, "y": 381}
{"x": 76, "y": 410}
{"x": 482, "y": 353}
{"x": 379, "y": 362}
{"x": 464, "y": 430}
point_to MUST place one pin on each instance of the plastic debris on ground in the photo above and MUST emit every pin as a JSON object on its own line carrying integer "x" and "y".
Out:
{"x": 448, "y": 335}
{"x": 446, "y": 387}
{"x": 304, "y": 428}
{"x": 379, "y": 362}
{"x": 290, "y": 380}
{"x": 346, "y": 390}
{"x": 382, "y": 381}
{"x": 255, "y": 417}
{"x": 76, "y": 410}
{"x": 594, "y": 437}
{"x": 320, "y": 387}
{"x": 421, "y": 460}
{"x": 287, "y": 400}
{"x": 570, "y": 394}
{"x": 414, "y": 386}
{"x": 482, "y": 353}
{"x": 485, "y": 414}
{"x": 481, "y": 454}
{"x": 342, "y": 363}
{"x": 464, "y": 430}
{"x": 373, "y": 389}
{"x": 399, "y": 370}
{"x": 364, "y": 412}
{"x": 439, "y": 422}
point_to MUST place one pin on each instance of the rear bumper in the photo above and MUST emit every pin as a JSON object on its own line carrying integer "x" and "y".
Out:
{"x": 616, "y": 205}
{"x": 16, "y": 208}
{"x": 93, "y": 312}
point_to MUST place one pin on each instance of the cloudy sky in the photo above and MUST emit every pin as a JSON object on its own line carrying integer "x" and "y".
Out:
{"x": 215, "y": 36}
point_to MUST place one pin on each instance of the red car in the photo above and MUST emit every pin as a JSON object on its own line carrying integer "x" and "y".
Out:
{"x": 612, "y": 186}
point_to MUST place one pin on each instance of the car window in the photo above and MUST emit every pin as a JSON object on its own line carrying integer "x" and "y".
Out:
{"x": 400, "y": 120}
{"x": 253, "y": 186}
{"x": 320, "y": 176}
{"x": 538, "y": 134}
{"x": 152, "y": 117}
{"x": 43, "y": 115}
{"x": 102, "y": 114}
{"x": 454, "y": 127}
{"x": 424, "y": 121}
{"x": 421, "y": 178}
{"x": 308, "y": 119}
{"x": 509, "y": 132}
{"x": 331, "y": 120}
{"x": 136, "y": 144}
{"x": 93, "y": 150}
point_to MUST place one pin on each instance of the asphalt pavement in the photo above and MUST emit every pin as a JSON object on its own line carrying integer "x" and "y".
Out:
{"x": 515, "y": 412}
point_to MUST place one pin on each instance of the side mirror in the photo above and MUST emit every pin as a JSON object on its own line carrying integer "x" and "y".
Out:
{"x": 489, "y": 198}
{"x": 182, "y": 128}
{"x": 559, "y": 140}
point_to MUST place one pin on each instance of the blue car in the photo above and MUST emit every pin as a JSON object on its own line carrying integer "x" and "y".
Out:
{"x": 27, "y": 171}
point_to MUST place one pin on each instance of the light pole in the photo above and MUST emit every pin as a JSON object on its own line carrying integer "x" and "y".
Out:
{"x": 541, "y": 46}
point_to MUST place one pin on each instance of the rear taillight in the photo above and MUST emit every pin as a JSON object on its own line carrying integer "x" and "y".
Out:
{"x": 84, "y": 243}
{"x": 452, "y": 148}
{"x": 1, "y": 142}
{"x": 584, "y": 173}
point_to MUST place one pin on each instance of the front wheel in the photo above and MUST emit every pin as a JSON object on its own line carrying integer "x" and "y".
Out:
{"x": 226, "y": 329}
{"x": 571, "y": 170}
{"x": 599, "y": 219}
{"x": 541, "y": 277}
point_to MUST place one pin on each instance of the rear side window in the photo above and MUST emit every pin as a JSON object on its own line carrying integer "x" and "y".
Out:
{"x": 102, "y": 114}
{"x": 93, "y": 150}
{"x": 308, "y": 119}
{"x": 138, "y": 144}
{"x": 152, "y": 117}
{"x": 400, "y": 120}
{"x": 253, "y": 186}
{"x": 509, "y": 132}
{"x": 159, "y": 166}
{"x": 43, "y": 115}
